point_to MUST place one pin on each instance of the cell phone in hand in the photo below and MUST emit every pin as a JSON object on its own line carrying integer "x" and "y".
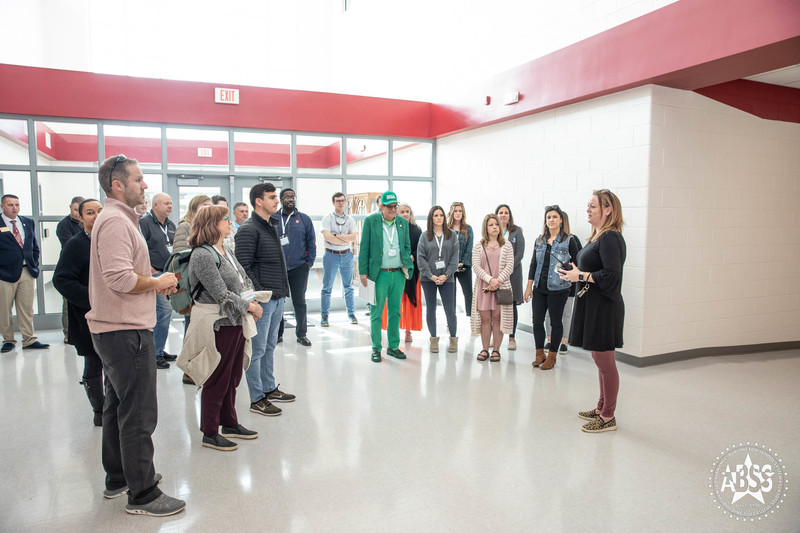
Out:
{"x": 562, "y": 266}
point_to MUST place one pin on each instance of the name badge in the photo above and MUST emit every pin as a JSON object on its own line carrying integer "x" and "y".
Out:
{"x": 284, "y": 240}
{"x": 392, "y": 252}
{"x": 249, "y": 295}
{"x": 5, "y": 228}
{"x": 169, "y": 248}
{"x": 439, "y": 264}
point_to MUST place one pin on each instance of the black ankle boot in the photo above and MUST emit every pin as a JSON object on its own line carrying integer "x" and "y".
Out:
{"x": 96, "y": 395}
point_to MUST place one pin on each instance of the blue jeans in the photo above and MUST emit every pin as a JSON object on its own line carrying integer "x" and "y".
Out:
{"x": 260, "y": 377}
{"x": 332, "y": 263}
{"x": 161, "y": 330}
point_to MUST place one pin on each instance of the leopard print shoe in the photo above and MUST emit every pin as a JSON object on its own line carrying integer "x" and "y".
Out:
{"x": 598, "y": 426}
{"x": 589, "y": 415}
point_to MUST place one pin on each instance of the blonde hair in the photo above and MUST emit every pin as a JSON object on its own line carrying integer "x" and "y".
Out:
{"x": 450, "y": 220}
{"x": 614, "y": 221}
{"x": 194, "y": 205}
{"x": 485, "y": 230}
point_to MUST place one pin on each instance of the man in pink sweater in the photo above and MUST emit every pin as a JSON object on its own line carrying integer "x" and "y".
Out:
{"x": 122, "y": 294}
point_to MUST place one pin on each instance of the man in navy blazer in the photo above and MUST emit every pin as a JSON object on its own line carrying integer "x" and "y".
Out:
{"x": 19, "y": 267}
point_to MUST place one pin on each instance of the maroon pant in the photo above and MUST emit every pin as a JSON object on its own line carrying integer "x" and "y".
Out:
{"x": 218, "y": 398}
{"x": 609, "y": 382}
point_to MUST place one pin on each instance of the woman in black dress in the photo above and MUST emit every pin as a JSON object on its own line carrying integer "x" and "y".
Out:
{"x": 599, "y": 310}
{"x": 71, "y": 279}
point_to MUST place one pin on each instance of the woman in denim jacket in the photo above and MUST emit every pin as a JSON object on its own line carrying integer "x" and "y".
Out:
{"x": 548, "y": 290}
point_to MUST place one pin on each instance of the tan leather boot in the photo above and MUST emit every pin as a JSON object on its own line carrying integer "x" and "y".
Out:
{"x": 453, "y": 348}
{"x": 434, "y": 344}
{"x": 539, "y": 357}
{"x": 550, "y": 362}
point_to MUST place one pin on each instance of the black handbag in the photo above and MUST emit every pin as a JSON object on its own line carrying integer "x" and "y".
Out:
{"x": 501, "y": 296}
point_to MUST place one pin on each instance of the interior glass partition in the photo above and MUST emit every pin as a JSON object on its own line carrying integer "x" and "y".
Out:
{"x": 60, "y": 160}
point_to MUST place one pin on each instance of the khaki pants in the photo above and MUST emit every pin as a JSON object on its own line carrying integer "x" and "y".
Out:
{"x": 20, "y": 292}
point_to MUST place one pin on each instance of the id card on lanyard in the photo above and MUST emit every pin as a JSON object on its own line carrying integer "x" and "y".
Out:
{"x": 439, "y": 243}
{"x": 392, "y": 250}
{"x": 166, "y": 236}
{"x": 285, "y": 228}
{"x": 247, "y": 294}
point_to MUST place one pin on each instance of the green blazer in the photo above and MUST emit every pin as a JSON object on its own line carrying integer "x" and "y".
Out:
{"x": 370, "y": 252}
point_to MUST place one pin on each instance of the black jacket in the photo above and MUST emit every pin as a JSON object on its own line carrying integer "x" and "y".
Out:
{"x": 66, "y": 228}
{"x": 157, "y": 241}
{"x": 414, "y": 233}
{"x": 259, "y": 251}
{"x": 71, "y": 279}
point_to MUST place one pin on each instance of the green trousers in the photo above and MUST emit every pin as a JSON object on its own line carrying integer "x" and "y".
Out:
{"x": 388, "y": 291}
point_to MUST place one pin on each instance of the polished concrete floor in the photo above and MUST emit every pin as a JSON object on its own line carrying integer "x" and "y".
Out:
{"x": 438, "y": 442}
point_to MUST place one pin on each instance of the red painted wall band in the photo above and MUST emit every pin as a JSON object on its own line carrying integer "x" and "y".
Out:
{"x": 686, "y": 45}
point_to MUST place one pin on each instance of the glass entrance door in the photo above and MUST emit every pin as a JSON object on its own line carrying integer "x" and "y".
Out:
{"x": 183, "y": 187}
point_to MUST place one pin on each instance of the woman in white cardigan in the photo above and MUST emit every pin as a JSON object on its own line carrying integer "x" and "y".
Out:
{"x": 493, "y": 264}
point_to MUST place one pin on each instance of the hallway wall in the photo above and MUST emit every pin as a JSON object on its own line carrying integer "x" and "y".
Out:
{"x": 685, "y": 168}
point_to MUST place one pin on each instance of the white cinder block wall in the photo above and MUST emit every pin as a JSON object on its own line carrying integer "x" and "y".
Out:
{"x": 702, "y": 185}
{"x": 723, "y": 245}
{"x": 559, "y": 157}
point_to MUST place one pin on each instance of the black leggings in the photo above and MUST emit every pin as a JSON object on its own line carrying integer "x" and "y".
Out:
{"x": 92, "y": 366}
{"x": 516, "y": 316}
{"x": 465, "y": 280}
{"x": 554, "y": 301}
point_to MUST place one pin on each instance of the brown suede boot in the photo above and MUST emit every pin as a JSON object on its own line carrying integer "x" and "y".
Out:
{"x": 539, "y": 357}
{"x": 550, "y": 362}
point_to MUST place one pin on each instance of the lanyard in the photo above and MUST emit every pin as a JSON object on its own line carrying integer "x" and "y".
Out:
{"x": 230, "y": 262}
{"x": 390, "y": 237}
{"x": 162, "y": 228}
{"x": 336, "y": 221}
{"x": 285, "y": 227}
{"x": 166, "y": 232}
{"x": 439, "y": 243}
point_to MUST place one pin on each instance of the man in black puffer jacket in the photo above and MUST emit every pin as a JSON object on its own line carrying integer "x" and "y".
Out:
{"x": 259, "y": 251}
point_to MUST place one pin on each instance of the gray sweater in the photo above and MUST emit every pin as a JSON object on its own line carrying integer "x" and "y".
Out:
{"x": 221, "y": 285}
{"x": 428, "y": 254}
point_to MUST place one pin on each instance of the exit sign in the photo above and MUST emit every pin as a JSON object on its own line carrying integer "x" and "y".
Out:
{"x": 226, "y": 96}
{"x": 203, "y": 152}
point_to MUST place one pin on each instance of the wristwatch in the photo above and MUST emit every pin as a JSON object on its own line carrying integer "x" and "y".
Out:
{"x": 580, "y": 277}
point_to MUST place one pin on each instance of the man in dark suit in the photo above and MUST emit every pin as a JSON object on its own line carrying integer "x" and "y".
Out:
{"x": 19, "y": 267}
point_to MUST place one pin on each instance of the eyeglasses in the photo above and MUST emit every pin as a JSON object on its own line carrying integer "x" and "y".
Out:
{"x": 456, "y": 204}
{"x": 392, "y": 206}
{"x": 119, "y": 159}
{"x": 553, "y": 207}
{"x": 340, "y": 201}
{"x": 289, "y": 197}
{"x": 226, "y": 218}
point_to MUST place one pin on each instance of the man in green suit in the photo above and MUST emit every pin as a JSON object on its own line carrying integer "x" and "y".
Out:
{"x": 384, "y": 257}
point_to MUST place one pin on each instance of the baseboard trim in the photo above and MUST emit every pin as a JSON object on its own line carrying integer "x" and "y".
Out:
{"x": 714, "y": 351}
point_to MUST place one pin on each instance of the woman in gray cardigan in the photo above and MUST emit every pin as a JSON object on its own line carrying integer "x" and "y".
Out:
{"x": 437, "y": 257}
{"x": 229, "y": 292}
{"x": 513, "y": 234}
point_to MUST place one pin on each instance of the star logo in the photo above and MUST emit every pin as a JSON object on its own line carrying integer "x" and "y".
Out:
{"x": 749, "y": 477}
{"x": 748, "y": 470}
